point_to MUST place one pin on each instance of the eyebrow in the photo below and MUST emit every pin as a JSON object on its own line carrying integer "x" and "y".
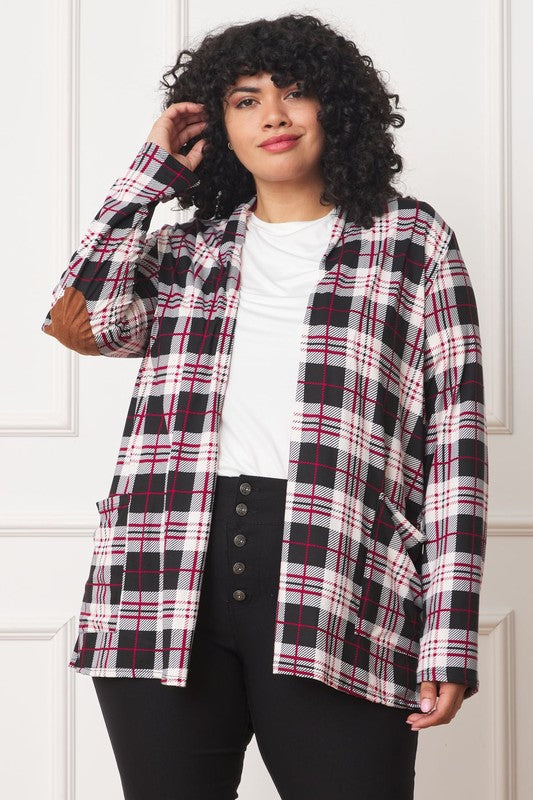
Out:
{"x": 253, "y": 89}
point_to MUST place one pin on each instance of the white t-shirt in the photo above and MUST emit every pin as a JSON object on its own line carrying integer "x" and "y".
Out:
{"x": 279, "y": 269}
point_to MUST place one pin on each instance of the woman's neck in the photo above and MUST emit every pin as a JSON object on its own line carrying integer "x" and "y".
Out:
{"x": 277, "y": 204}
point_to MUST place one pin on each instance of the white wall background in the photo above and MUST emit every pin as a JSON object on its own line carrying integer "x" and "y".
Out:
{"x": 79, "y": 94}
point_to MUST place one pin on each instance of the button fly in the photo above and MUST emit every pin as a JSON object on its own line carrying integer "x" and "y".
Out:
{"x": 238, "y": 594}
{"x": 238, "y": 568}
{"x": 245, "y": 488}
{"x": 241, "y": 509}
{"x": 239, "y": 540}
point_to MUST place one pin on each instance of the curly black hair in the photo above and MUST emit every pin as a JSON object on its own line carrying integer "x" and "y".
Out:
{"x": 358, "y": 160}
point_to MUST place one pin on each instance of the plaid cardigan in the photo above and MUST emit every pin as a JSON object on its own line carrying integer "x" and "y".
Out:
{"x": 387, "y": 489}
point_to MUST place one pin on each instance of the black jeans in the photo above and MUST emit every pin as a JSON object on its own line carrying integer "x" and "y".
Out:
{"x": 188, "y": 743}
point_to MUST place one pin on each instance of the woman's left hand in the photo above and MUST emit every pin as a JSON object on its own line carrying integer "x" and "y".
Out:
{"x": 442, "y": 708}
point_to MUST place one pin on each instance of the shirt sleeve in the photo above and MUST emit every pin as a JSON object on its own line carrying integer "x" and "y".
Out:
{"x": 454, "y": 514}
{"x": 105, "y": 300}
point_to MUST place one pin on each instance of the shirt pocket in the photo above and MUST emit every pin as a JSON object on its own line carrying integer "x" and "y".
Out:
{"x": 104, "y": 586}
{"x": 391, "y": 598}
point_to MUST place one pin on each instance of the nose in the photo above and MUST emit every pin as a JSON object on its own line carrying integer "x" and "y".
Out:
{"x": 275, "y": 114}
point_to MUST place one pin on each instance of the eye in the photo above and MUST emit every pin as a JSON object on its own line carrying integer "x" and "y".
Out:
{"x": 240, "y": 104}
{"x": 245, "y": 99}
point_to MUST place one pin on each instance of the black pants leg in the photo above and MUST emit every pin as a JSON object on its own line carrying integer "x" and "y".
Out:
{"x": 188, "y": 743}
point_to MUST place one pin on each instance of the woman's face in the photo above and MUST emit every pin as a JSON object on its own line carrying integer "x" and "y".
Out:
{"x": 255, "y": 110}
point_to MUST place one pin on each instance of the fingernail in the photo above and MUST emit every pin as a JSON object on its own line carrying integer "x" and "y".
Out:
{"x": 426, "y": 704}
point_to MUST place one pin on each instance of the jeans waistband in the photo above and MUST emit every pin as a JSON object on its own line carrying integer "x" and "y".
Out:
{"x": 262, "y": 497}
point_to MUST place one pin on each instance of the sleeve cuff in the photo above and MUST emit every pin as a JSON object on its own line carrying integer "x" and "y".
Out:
{"x": 466, "y": 677}
{"x": 167, "y": 176}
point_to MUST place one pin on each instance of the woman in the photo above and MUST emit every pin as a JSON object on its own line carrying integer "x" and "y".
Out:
{"x": 292, "y": 547}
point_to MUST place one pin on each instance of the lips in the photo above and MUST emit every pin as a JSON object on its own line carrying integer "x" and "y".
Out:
{"x": 274, "y": 139}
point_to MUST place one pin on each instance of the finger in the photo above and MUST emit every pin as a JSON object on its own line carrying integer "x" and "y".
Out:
{"x": 428, "y": 700}
{"x": 187, "y": 134}
{"x": 456, "y": 694}
{"x": 440, "y": 715}
{"x": 457, "y": 688}
{"x": 193, "y": 128}
{"x": 178, "y": 117}
{"x": 449, "y": 701}
{"x": 428, "y": 695}
{"x": 178, "y": 110}
{"x": 186, "y": 129}
{"x": 186, "y": 105}
{"x": 434, "y": 717}
{"x": 194, "y": 155}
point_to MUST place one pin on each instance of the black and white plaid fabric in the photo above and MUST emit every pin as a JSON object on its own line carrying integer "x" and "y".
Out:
{"x": 387, "y": 493}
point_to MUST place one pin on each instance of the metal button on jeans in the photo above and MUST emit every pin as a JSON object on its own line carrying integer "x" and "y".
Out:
{"x": 239, "y": 540}
{"x": 245, "y": 488}
{"x": 238, "y": 594}
{"x": 238, "y": 568}
{"x": 241, "y": 509}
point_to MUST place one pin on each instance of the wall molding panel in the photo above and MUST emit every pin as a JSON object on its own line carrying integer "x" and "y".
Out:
{"x": 60, "y": 636}
{"x": 497, "y": 239}
{"x": 62, "y": 417}
{"x": 499, "y": 630}
{"x": 83, "y": 525}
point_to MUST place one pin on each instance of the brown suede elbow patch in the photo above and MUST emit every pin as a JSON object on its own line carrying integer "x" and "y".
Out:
{"x": 70, "y": 323}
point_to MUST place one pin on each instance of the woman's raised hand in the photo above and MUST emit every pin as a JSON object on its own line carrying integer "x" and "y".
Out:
{"x": 176, "y": 126}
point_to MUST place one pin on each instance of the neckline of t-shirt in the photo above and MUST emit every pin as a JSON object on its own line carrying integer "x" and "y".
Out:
{"x": 291, "y": 225}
